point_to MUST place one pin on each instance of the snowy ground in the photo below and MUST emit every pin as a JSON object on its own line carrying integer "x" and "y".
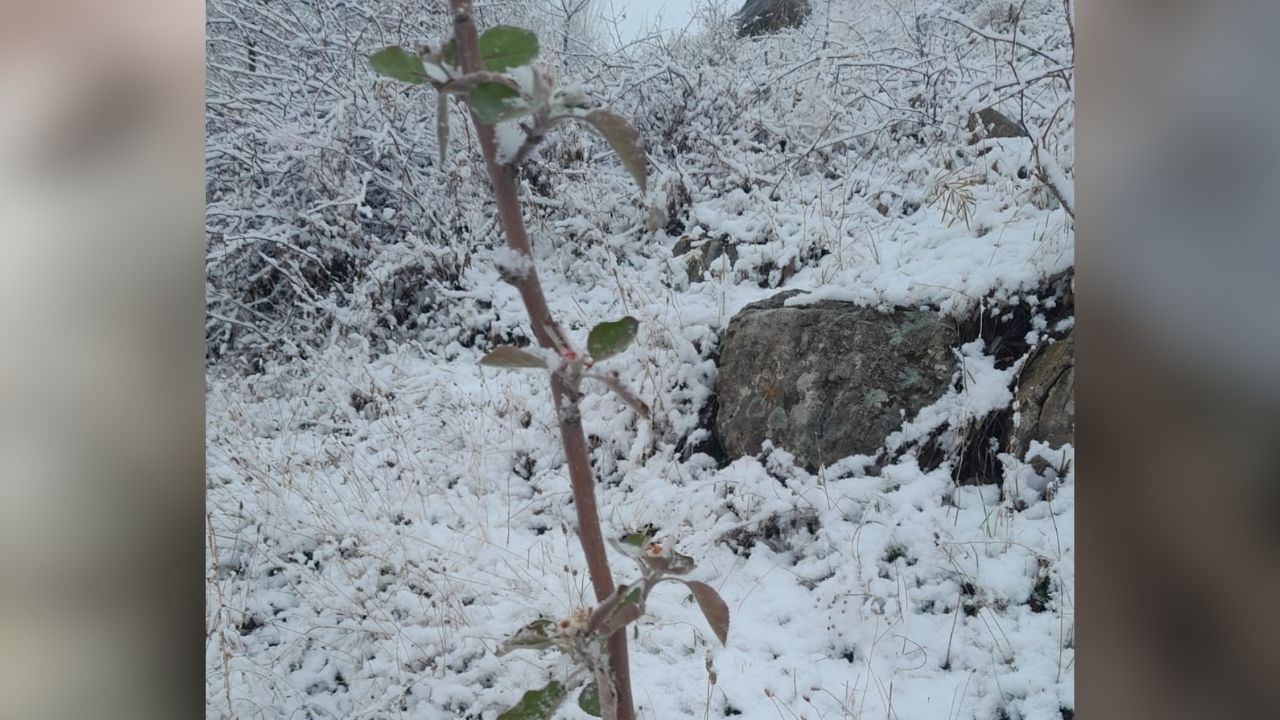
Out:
{"x": 383, "y": 514}
{"x": 368, "y": 560}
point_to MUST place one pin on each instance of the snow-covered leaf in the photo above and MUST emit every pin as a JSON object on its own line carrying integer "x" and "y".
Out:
{"x": 678, "y": 564}
{"x": 623, "y": 548}
{"x": 626, "y": 614}
{"x": 536, "y": 635}
{"x": 589, "y": 700}
{"x": 624, "y": 606}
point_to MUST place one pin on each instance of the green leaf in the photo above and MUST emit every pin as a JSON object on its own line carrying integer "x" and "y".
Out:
{"x": 505, "y": 46}
{"x": 537, "y": 704}
{"x": 536, "y": 635}
{"x": 640, "y": 537}
{"x": 396, "y": 62}
{"x": 493, "y": 102}
{"x": 713, "y": 608}
{"x": 449, "y": 53}
{"x": 506, "y": 356}
{"x": 625, "y": 548}
{"x": 610, "y": 338}
{"x": 625, "y": 141}
{"x": 632, "y": 544}
{"x": 589, "y": 700}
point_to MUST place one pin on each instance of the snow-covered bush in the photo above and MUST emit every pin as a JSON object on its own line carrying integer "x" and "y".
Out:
{"x": 329, "y": 214}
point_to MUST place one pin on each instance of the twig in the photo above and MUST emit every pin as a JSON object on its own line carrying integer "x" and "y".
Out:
{"x": 1001, "y": 38}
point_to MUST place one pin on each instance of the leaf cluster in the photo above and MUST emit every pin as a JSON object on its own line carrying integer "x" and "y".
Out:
{"x": 583, "y": 634}
{"x": 494, "y": 95}
{"x": 605, "y": 340}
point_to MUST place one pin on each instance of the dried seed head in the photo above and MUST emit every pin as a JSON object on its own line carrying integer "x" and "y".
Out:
{"x": 657, "y": 550}
{"x": 576, "y": 623}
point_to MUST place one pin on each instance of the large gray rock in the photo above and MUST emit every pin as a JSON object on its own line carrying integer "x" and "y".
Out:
{"x": 828, "y": 380}
{"x": 1046, "y": 398}
{"x": 758, "y": 17}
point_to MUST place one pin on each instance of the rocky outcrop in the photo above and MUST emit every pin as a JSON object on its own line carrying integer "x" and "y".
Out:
{"x": 759, "y": 17}
{"x": 1046, "y": 398}
{"x": 991, "y": 123}
{"x": 827, "y": 380}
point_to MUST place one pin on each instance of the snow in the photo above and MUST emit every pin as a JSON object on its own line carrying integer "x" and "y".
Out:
{"x": 383, "y": 511}
{"x": 509, "y": 137}
{"x": 428, "y": 543}
{"x": 510, "y": 263}
{"x": 1059, "y": 179}
{"x": 984, "y": 388}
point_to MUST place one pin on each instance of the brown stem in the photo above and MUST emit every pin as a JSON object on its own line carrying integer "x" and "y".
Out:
{"x": 549, "y": 335}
